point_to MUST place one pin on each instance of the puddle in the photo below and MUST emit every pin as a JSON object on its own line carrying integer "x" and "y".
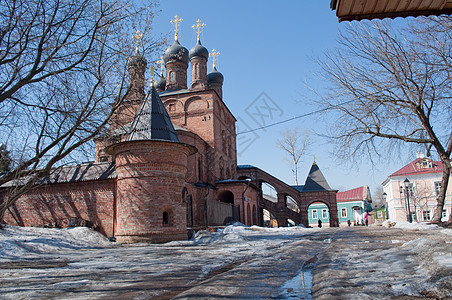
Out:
{"x": 298, "y": 287}
{"x": 384, "y": 241}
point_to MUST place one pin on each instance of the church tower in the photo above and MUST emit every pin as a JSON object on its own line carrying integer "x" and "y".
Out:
{"x": 198, "y": 59}
{"x": 175, "y": 58}
{"x": 124, "y": 114}
{"x": 215, "y": 79}
{"x": 151, "y": 166}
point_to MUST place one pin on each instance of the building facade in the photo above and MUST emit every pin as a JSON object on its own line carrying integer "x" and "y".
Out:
{"x": 166, "y": 166}
{"x": 351, "y": 205}
{"x": 416, "y": 201}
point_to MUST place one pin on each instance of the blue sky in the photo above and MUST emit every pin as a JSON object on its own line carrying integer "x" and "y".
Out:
{"x": 266, "y": 56}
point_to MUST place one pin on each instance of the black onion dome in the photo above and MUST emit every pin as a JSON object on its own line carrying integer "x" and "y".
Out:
{"x": 199, "y": 51}
{"x": 215, "y": 77}
{"x": 175, "y": 53}
{"x": 160, "y": 83}
{"x": 137, "y": 59}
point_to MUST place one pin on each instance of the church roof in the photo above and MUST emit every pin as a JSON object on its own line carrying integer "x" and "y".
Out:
{"x": 152, "y": 121}
{"x": 77, "y": 173}
{"x": 316, "y": 181}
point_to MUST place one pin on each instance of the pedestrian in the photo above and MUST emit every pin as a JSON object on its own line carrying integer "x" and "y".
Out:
{"x": 366, "y": 219}
{"x": 348, "y": 222}
{"x": 320, "y": 223}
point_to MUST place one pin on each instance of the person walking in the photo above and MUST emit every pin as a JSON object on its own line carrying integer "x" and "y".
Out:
{"x": 348, "y": 222}
{"x": 320, "y": 223}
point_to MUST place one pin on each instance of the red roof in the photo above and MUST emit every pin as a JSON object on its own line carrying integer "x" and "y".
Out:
{"x": 414, "y": 168}
{"x": 356, "y": 194}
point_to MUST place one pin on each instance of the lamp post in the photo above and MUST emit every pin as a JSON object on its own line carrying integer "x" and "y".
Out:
{"x": 386, "y": 206}
{"x": 406, "y": 183}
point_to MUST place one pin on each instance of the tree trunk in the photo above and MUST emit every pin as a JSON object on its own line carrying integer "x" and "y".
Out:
{"x": 440, "y": 201}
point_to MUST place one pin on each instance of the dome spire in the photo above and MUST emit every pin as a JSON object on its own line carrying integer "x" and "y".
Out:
{"x": 198, "y": 27}
{"x": 137, "y": 37}
{"x": 161, "y": 62}
{"x": 151, "y": 71}
{"x": 176, "y": 21}
{"x": 214, "y": 55}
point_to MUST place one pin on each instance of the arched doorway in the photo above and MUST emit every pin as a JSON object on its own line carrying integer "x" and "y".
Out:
{"x": 254, "y": 215}
{"x": 226, "y": 197}
{"x": 221, "y": 212}
{"x": 318, "y": 211}
{"x": 357, "y": 215}
{"x": 269, "y": 219}
{"x": 249, "y": 221}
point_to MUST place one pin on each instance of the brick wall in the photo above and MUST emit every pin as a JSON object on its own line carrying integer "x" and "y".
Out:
{"x": 66, "y": 204}
{"x": 150, "y": 182}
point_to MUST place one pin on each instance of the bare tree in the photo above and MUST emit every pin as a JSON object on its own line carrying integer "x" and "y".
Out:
{"x": 62, "y": 63}
{"x": 377, "y": 198}
{"x": 294, "y": 143}
{"x": 391, "y": 88}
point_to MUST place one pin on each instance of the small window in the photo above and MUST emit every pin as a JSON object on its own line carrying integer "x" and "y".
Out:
{"x": 172, "y": 76}
{"x": 444, "y": 214}
{"x": 172, "y": 107}
{"x": 314, "y": 214}
{"x": 380, "y": 214}
{"x": 343, "y": 212}
{"x": 411, "y": 190}
{"x": 324, "y": 213}
{"x": 166, "y": 219}
{"x": 426, "y": 215}
{"x": 437, "y": 186}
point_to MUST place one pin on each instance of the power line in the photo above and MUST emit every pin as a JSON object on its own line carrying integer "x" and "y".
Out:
{"x": 314, "y": 112}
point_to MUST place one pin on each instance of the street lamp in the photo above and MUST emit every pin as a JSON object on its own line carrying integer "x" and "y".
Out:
{"x": 386, "y": 205}
{"x": 406, "y": 183}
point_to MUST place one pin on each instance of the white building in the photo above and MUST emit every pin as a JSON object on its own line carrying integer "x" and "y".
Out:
{"x": 423, "y": 180}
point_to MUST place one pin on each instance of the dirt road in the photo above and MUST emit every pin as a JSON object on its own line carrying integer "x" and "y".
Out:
{"x": 327, "y": 263}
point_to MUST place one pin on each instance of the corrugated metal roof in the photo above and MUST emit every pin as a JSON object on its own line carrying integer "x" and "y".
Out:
{"x": 414, "y": 168}
{"x": 355, "y": 194}
{"x": 77, "y": 173}
{"x": 347, "y": 10}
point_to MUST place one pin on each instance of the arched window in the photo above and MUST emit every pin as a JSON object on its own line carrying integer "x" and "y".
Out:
{"x": 167, "y": 218}
{"x": 172, "y": 76}
{"x": 199, "y": 169}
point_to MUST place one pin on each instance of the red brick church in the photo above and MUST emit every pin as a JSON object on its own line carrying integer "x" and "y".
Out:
{"x": 168, "y": 165}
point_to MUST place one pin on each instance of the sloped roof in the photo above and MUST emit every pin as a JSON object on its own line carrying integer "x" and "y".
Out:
{"x": 152, "y": 121}
{"x": 347, "y": 10}
{"x": 356, "y": 194}
{"x": 316, "y": 181}
{"x": 413, "y": 168}
{"x": 298, "y": 187}
{"x": 246, "y": 167}
{"x": 77, "y": 173}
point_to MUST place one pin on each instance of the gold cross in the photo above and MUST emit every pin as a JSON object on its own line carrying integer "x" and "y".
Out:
{"x": 137, "y": 37}
{"x": 198, "y": 27}
{"x": 161, "y": 63}
{"x": 214, "y": 55}
{"x": 152, "y": 70}
{"x": 176, "y": 21}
